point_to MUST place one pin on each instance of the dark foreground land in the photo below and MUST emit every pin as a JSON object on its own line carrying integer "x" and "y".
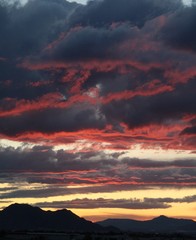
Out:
{"x": 91, "y": 236}
{"x": 25, "y": 222}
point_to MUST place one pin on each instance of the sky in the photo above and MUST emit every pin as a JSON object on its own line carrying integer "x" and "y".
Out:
{"x": 97, "y": 107}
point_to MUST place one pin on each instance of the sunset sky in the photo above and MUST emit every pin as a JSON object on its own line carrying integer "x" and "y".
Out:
{"x": 98, "y": 107}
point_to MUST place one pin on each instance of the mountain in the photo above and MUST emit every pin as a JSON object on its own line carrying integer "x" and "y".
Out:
{"x": 26, "y": 217}
{"x": 161, "y": 224}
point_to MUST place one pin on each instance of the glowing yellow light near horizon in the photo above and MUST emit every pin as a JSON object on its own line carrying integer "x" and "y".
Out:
{"x": 10, "y": 143}
{"x": 185, "y": 210}
{"x": 15, "y": 144}
{"x": 136, "y": 151}
{"x": 177, "y": 210}
{"x": 158, "y": 153}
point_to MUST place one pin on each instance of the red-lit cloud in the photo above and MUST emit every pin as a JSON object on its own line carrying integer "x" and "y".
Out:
{"x": 99, "y": 83}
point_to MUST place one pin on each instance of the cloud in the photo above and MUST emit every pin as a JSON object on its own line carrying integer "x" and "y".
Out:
{"x": 103, "y": 203}
{"x": 113, "y": 73}
{"x": 28, "y": 28}
{"x": 160, "y": 109}
{"x": 180, "y": 32}
{"x": 56, "y": 190}
{"x": 186, "y": 199}
{"x": 106, "y": 12}
{"x": 94, "y": 172}
{"x": 189, "y": 130}
{"x": 87, "y": 43}
{"x": 98, "y": 78}
{"x": 146, "y": 203}
{"x": 25, "y": 31}
{"x": 53, "y": 120}
{"x": 27, "y": 160}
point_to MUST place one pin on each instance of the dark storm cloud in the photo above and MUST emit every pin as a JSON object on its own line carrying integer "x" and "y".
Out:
{"x": 3, "y": 18}
{"x": 105, "y": 12}
{"x": 165, "y": 108}
{"x": 92, "y": 42}
{"x": 28, "y": 29}
{"x": 14, "y": 84}
{"x": 89, "y": 43}
{"x": 180, "y": 31}
{"x": 114, "y": 82}
{"x": 76, "y": 37}
{"x": 189, "y": 131}
{"x": 85, "y": 43}
{"x": 104, "y": 203}
{"x": 158, "y": 109}
{"x": 53, "y": 120}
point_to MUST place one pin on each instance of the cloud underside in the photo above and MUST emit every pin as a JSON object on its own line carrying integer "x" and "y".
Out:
{"x": 63, "y": 173}
{"x": 117, "y": 74}
{"x": 146, "y": 203}
{"x": 132, "y": 203}
{"x": 98, "y": 78}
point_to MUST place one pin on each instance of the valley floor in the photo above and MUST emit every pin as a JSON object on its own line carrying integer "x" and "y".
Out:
{"x": 92, "y": 236}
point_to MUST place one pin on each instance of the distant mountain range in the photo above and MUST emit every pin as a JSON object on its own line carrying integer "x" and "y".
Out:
{"x": 25, "y": 217}
{"x": 160, "y": 224}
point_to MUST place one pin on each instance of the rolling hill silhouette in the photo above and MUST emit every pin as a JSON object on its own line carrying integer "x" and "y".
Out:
{"x": 25, "y": 217}
{"x": 161, "y": 224}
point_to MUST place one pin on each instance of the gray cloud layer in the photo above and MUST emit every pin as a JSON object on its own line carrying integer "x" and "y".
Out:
{"x": 104, "y": 203}
{"x": 101, "y": 172}
{"x": 146, "y": 203}
{"x": 112, "y": 66}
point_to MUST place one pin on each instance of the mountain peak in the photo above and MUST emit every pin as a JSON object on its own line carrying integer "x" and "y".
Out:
{"x": 159, "y": 224}
{"x": 24, "y": 216}
{"x": 161, "y": 217}
{"x": 17, "y": 206}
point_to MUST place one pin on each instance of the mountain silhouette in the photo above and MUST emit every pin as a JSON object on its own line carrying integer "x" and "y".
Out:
{"x": 25, "y": 217}
{"x": 161, "y": 224}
